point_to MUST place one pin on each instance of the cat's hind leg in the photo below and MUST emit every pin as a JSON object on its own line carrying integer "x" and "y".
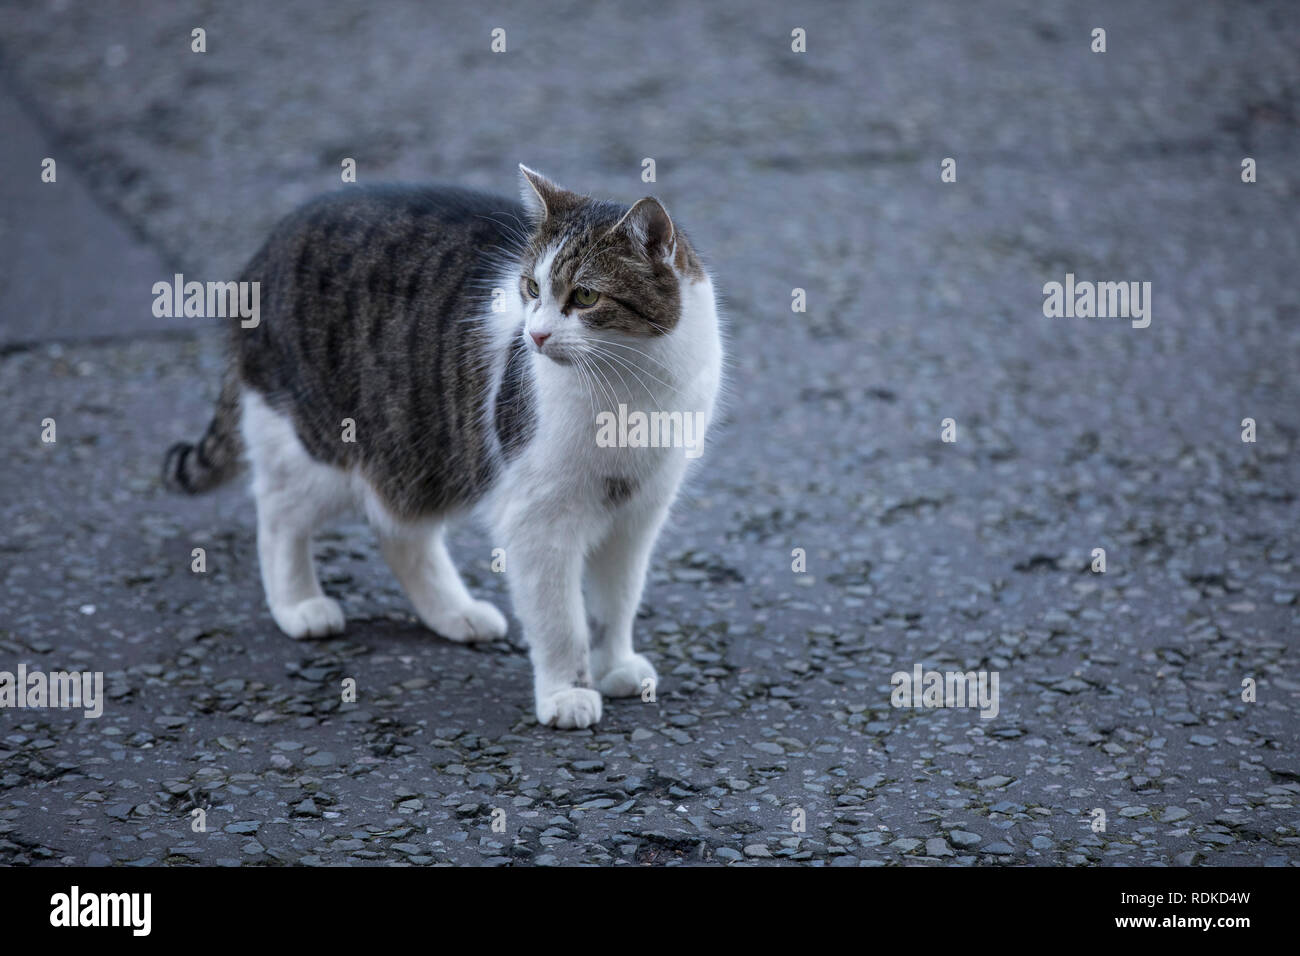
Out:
{"x": 294, "y": 493}
{"x": 419, "y": 558}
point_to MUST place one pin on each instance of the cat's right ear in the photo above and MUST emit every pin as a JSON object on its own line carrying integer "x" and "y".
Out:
{"x": 542, "y": 197}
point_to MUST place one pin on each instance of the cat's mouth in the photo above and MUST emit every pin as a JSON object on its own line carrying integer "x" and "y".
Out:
{"x": 551, "y": 351}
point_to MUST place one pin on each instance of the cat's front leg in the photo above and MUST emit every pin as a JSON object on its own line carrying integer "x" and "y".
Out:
{"x": 616, "y": 574}
{"x": 544, "y": 570}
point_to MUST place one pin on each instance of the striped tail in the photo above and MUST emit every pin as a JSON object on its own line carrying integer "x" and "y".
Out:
{"x": 194, "y": 469}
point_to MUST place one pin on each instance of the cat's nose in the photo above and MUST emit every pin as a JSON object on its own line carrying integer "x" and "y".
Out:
{"x": 539, "y": 338}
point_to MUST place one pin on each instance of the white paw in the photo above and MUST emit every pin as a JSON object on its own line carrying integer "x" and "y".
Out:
{"x": 573, "y": 707}
{"x": 476, "y": 621}
{"x": 627, "y": 677}
{"x": 314, "y": 617}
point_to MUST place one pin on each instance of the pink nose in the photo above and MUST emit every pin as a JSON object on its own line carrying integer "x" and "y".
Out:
{"x": 539, "y": 338}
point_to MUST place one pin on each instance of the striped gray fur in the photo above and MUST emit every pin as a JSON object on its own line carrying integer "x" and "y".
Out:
{"x": 193, "y": 468}
{"x": 370, "y": 305}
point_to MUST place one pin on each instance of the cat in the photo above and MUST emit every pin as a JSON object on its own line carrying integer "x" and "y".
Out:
{"x": 427, "y": 351}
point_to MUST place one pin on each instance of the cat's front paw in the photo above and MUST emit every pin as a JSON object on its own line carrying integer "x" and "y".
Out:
{"x": 314, "y": 617}
{"x": 476, "y": 621}
{"x": 569, "y": 709}
{"x": 628, "y": 677}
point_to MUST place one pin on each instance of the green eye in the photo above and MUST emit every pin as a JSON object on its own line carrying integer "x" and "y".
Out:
{"x": 585, "y": 298}
{"x": 531, "y": 289}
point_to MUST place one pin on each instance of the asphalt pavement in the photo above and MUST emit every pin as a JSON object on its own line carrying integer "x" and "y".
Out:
{"x": 1147, "y": 714}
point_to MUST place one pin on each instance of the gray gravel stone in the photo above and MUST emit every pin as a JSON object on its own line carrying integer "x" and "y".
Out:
{"x": 936, "y": 846}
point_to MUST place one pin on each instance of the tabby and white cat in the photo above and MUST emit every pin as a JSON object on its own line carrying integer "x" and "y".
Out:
{"x": 471, "y": 341}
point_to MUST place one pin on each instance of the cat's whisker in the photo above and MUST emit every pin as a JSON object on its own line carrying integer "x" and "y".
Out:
{"x": 508, "y": 255}
{"x": 517, "y": 232}
{"x": 596, "y": 377}
{"x": 666, "y": 368}
{"x": 611, "y": 357}
{"x": 609, "y": 390}
{"x": 629, "y": 361}
{"x": 580, "y": 367}
{"x": 614, "y": 370}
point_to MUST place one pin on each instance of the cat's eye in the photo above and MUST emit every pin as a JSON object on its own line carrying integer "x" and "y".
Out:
{"x": 585, "y": 298}
{"x": 531, "y": 288}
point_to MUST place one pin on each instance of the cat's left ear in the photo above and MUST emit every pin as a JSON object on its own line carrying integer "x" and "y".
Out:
{"x": 542, "y": 197}
{"x": 648, "y": 224}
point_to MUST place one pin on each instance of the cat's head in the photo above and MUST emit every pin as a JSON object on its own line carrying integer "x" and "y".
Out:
{"x": 594, "y": 270}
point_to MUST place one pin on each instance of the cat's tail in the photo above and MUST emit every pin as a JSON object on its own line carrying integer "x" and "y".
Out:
{"x": 194, "y": 469}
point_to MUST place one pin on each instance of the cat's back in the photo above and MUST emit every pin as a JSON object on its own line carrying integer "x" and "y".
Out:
{"x": 389, "y": 236}
{"x": 369, "y": 300}
{"x": 400, "y": 208}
